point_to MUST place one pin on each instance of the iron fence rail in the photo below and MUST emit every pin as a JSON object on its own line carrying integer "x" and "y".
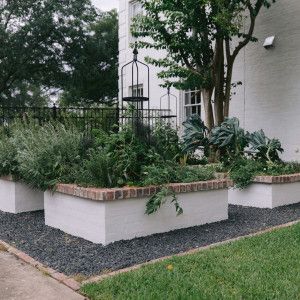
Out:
{"x": 83, "y": 118}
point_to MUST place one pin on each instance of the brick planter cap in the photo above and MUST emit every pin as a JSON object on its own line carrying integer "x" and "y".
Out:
{"x": 278, "y": 179}
{"x": 100, "y": 194}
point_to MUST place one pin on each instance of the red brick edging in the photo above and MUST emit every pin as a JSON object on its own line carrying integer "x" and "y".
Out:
{"x": 278, "y": 179}
{"x": 99, "y": 194}
{"x": 62, "y": 278}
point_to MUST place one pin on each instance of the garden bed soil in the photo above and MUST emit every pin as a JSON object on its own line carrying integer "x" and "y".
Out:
{"x": 268, "y": 192}
{"x": 108, "y": 215}
{"x": 17, "y": 197}
{"x": 73, "y": 256}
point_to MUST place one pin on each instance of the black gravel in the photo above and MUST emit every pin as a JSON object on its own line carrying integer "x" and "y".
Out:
{"x": 72, "y": 255}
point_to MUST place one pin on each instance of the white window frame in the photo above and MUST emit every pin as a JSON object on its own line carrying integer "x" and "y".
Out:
{"x": 194, "y": 107}
{"x": 138, "y": 90}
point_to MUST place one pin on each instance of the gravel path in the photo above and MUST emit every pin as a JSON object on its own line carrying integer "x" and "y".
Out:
{"x": 72, "y": 255}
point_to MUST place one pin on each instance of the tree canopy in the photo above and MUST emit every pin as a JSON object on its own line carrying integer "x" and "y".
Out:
{"x": 202, "y": 39}
{"x": 48, "y": 45}
{"x": 95, "y": 65}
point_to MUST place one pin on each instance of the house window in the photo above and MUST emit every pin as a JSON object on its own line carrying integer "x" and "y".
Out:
{"x": 136, "y": 90}
{"x": 135, "y": 9}
{"x": 192, "y": 103}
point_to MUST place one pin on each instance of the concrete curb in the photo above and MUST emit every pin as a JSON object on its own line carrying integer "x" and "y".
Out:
{"x": 192, "y": 251}
{"x": 60, "y": 277}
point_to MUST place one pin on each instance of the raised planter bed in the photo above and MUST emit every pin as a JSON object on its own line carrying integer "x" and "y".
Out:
{"x": 268, "y": 192}
{"x": 108, "y": 215}
{"x": 17, "y": 197}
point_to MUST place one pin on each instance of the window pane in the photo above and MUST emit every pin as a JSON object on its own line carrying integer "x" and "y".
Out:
{"x": 187, "y": 98}
{"x": 193, "y": 98}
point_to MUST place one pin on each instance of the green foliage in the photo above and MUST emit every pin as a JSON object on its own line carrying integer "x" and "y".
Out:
{"x": 195, "y": 135}
{"x": 165, "y": 142}
{"x": 37, "y": 38}
{"x": 95, "y": 65}
{"x": 48, "y": 155}
{"x": 160, "y": 198}
{"x": 243, "y": 171}
{"x": 170, "y": 172}
{"x": 8, "y": 154}
{"x": 264, "y": 148}
{"x": 230, "y": 139}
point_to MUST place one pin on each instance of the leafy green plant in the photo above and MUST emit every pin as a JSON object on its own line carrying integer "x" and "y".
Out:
{"x": 49, "y": 154}
{"x": 195, "y": 135}
{"x": 243, "y": 171}
{"x": 264, "y": 148}
{"x": 165, "y": 141}
{"x": 160, "y": 198}
{"x": 8, "y": 153}
{"x": 171, "y": 172}
{"x": 230, "y": 139}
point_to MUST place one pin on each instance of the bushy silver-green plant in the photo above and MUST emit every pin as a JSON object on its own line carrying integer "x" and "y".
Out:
{"x": 48, "y": 155}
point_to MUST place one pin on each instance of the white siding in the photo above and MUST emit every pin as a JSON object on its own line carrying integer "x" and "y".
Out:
{"x": 269, "y": 97}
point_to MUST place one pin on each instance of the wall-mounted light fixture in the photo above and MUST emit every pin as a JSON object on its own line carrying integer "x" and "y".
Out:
{"x": 269, "y": 42}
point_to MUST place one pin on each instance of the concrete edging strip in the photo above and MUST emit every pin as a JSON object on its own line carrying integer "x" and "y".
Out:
{"x": 60, "y": 277}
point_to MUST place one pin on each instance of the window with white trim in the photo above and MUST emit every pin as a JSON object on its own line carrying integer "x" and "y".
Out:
{"x": 136, "y": 90}
{"x": 192, "y": 103}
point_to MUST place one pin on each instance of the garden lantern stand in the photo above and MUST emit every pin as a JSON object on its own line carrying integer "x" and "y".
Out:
{"x": 136, "y": 98}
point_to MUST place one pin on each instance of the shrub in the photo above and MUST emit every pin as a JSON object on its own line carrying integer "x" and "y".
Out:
{"x": 171, "y": 173}
{"x": 164, "y": 141}
{"x": 49, "y": 154}
{"x": 8, "y": 154}
{"x": 174, "y": 173}
{"x": 243, "y": 171}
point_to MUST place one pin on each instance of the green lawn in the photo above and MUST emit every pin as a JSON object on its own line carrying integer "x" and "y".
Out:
{"x": 261, "y": 267}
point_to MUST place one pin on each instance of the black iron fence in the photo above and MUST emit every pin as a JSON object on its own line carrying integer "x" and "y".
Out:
{"x": 83, "y": 118}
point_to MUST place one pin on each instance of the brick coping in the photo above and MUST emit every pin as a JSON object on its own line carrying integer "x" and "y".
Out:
{"x": 268, "y": 179}
{"x": 277, "y": 179}
{"x": 100, "y": 194}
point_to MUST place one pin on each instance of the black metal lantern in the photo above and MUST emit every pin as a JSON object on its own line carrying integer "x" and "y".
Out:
{"x": 168, "y": 97}
{"x": 136, "y": 98}
{"x": 136, "y": 94}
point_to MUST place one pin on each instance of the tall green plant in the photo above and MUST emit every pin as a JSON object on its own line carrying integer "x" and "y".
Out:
{"x": 195, "y": 135}
{"x": 230, "y": 139}
{"x": 49, "y": 155}
{"x": 264, "y": 148}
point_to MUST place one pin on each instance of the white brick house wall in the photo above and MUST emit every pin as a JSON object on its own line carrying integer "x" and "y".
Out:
{"x": 270, "y": 95}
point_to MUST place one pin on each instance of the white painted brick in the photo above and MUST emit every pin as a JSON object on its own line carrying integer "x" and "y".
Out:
{"x": 266, "y": 195}
{"x": 16, "y": 197}
{"x": 109, "y": 221}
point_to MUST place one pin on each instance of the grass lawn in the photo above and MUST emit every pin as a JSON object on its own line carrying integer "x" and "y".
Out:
{"x": 261, "y": 267}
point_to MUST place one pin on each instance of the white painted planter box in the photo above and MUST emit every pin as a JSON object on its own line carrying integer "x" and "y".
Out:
{"x": 17, "y": 197}
{"x": 268, "y": 192}
{"x": 105, "y": 216}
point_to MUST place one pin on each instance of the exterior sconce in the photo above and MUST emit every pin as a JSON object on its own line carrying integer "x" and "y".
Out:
{"x": 269, "y": 42}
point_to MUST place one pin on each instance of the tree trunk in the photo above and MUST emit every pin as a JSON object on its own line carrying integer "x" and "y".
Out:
{"x": 228, "y": 89}
{"x": 219, "y": 82}
{"x": 209, "y": 117}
